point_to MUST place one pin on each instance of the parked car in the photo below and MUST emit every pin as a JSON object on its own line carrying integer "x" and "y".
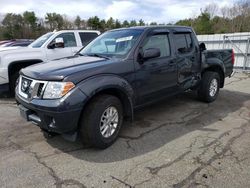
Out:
{"x": 53, "y": 45}
{"x": 19, "y": 42}
{"x": 92, "y": 92}
{"x": 6, "y": 41}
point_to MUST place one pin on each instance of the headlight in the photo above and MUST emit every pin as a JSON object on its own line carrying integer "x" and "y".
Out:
{"x": 56, "y": 90}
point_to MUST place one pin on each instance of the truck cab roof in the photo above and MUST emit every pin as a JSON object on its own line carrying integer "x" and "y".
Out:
{"x": 175, "y": 28}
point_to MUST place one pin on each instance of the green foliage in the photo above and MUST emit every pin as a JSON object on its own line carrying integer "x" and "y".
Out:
{"x": 110, "y": 24}
{"x": 141, "y": 22}
{"x": 94, "y": 22}
{"x": 125, "y": 23}
{"x": 186, "y": 22}
{"x": 153, "y": 23}
{"x": 133, "y": 23}
{"x": 77, "y": 22}
{"x": 28, "y": 25}
{"x": 203, "y": 24}
{"x": 12, "y": 24}
{"x": 54, "y": 20}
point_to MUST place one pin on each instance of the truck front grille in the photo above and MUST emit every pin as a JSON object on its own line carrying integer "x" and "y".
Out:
{"x": 30, "y": 88}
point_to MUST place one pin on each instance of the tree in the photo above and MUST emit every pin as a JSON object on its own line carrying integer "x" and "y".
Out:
{"x": 110, "y": 24}
{"x": 153, "y": 23}
{"x": 94, "y": 22}
{"x": 125, "y": 23}
{"x": 203, "y": 24}
{"x": 141, "y": 22}
{"x": 54, "y": 20}
{"x": 30, "y": 25}
{"x": 30, "y": 19}
{"x": 185, "y": 22}
{"x": 133, "y": 23}
{"x": 13, "y": 24}
{"x": 67, "y": 24}
{"x": 118, "y": 24}
{"x": 77, "y": 22}
{"x": 211, "y": 9}
{"x": 102, "y": 25}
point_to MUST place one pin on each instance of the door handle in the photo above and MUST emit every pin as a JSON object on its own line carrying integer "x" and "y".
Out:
{"x": 192, "y": 58}
{"x": 171, "y": 63}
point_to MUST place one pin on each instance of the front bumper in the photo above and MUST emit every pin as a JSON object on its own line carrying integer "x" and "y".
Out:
{"x": 58, "y": 116}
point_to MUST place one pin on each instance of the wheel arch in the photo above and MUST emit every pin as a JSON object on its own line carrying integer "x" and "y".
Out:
{"x": 111, "y": 85}
{"x": 18, "y": 65}
{"x": 216, "y": 65}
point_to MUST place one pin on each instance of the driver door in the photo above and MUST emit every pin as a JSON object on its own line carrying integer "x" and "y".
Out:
{"x": 69, "y": 45}
{"x": 156, "y": 77}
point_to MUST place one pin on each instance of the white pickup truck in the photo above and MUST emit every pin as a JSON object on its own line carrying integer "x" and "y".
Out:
{"x": 53, "y": 45}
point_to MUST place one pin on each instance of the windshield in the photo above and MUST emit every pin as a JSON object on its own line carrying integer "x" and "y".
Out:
{"x": 113, "y": 44}
{"x": 41, "y": 40}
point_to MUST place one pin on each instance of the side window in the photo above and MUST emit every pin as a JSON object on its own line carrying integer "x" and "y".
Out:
{"x": 69, "y": 39}
{"x": 183, "y": 43}
{"x": 87, "y": 37}
{"x": 158, "y": 41}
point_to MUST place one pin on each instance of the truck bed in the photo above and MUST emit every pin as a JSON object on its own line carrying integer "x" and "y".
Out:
{"x": 225, "y": 55}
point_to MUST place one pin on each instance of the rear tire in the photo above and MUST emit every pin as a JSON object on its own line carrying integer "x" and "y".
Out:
{"x": 209, "y": 86}
{"x": 101, "y": 121}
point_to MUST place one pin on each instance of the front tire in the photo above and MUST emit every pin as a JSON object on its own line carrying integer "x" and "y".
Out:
{"x": 209, "y": 86}
{"x": 101, "y": 121}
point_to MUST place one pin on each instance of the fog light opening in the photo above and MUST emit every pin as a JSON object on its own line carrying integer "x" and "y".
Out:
{"x": 53, "y": 123}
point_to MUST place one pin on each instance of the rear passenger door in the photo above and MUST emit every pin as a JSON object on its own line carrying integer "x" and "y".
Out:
{"x": 187, "y": 58}
{"x": 156, "y": 77}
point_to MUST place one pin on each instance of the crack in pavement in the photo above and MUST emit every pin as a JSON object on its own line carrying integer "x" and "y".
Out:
{"x": 123, "y": 182}
{"x": 155, "y": 170}
{"x": 58, "y": 181}
{"x": 151, "y": 130}
{"x": 218, "y": 155}
{"x": 184, "y": 120}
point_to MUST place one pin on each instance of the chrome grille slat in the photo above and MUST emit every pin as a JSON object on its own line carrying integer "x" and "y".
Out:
{"x": 32, "y": 89}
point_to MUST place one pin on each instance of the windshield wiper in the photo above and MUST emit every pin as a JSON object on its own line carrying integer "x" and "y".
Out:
{"x": 97, "y": 55}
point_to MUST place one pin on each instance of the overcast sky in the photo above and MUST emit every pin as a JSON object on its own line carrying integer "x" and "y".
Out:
{"x": 161, "y": 11}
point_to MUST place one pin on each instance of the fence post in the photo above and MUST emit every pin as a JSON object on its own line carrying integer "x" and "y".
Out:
{"x": 246, "y": 54}
{"x": 224, "y": 38}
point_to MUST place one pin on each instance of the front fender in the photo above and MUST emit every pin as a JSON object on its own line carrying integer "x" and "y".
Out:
{"x": 95, "y": 84}
{"x": 110, "y": 83}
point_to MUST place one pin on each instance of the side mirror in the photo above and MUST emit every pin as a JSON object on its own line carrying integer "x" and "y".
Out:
{"x": 151, "y": 53}
{"x": 202, "y": 46}
{"x": 59, "y": 43}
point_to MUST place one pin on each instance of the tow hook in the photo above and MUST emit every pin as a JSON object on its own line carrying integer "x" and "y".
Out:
{"x": 48, "y": 134}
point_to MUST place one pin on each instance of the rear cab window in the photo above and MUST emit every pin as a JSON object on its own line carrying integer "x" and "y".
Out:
{"x": 183, "y": 42}
{"x": 87, "y": 37}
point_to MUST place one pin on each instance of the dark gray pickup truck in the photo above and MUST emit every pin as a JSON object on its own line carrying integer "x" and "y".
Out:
{"x": 92, "y": 92}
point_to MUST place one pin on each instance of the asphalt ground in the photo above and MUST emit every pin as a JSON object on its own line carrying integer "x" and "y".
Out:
{"x": 178, "y": 142}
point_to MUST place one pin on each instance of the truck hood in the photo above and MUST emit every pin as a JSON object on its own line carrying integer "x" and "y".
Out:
{"x": 8, "y": 48}
{"x": 58, "y": 70}
{"x": 18, "y": 50}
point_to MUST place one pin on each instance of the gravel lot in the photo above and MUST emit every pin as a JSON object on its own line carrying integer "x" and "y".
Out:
{"x": 180, "y": 142}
